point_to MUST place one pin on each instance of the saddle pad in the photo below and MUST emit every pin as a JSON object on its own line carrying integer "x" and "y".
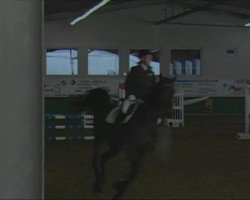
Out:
{"x": 127, "y": 118}
{"x": 111, "y": 117}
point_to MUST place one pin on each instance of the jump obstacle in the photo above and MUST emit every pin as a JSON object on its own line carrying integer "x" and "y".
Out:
{"x": 177, "y": 118}
{"x": 85, "y": 121}
{"x": 246, "y": 135}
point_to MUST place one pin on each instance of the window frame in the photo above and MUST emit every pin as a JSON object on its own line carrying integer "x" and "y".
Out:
{"x": 187, "y": 76}
{"x": 63, "y": 75}
{"x": 103, "y": 75}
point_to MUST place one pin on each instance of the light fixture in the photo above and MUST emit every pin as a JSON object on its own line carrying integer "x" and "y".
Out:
{"x": 247, "y": 25}
{"x": 96, "y": 7}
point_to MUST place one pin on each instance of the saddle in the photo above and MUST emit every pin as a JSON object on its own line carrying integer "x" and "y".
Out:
{"x": 123, "y": 113}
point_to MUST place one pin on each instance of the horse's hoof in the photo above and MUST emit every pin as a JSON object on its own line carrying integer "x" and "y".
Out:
{"x": 97, "y": 188}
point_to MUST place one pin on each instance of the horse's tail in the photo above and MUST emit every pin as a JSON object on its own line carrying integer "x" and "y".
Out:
{"x": 96, "y": 100}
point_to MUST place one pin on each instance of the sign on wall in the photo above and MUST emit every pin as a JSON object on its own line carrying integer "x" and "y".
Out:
{"x": 191, "y": 88}
{"x": 213, "y": 87}
{"x": 77, "y": 87}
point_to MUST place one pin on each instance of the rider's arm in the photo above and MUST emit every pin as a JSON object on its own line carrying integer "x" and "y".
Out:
{"x": 130, "y": 81}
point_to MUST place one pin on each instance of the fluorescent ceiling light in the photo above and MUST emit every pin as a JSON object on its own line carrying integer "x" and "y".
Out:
{"x": 247, "y": 25}
{"x": 102, "y": 3}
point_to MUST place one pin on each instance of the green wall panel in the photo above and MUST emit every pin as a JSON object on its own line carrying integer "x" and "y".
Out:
{"x": 59, "y": 105}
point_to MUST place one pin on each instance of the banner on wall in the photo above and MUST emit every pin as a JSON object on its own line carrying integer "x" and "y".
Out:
{"x": 213, "y": 87}
{"x": 191, "y": 88}
{"x": 77, "y": 87}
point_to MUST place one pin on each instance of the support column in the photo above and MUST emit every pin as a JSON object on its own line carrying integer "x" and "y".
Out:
{"x": 21, "y": 135}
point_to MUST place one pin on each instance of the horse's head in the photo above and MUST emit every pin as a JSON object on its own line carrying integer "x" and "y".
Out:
{"x": 163, "y": 95}
{"x": 96, "y": 99}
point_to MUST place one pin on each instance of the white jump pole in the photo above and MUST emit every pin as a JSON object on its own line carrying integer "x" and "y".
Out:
{"x": 194, "y": 101}
{"x": 246, "y": 135}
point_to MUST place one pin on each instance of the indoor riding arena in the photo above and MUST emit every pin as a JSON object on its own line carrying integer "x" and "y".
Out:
{"x": 72, "y": 129}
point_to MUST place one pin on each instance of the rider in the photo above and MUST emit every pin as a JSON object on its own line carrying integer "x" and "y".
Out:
{"x": 140, "y": 80}
{"x": 138, "y": 84}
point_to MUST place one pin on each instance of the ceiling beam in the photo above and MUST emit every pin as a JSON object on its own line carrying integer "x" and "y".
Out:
{"x": 235, "y": 8}
{"x": 245, "y": 6}
{"x": 191, "y": 11}
{"x": 219, "y": 10}
{"x": 230, "y": 12}
{"x": 207, "y": 25}
{"x": 129, "y": 5}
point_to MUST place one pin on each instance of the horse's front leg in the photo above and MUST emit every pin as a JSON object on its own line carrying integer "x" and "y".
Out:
{"x": 100, "y": 172}
{"x": 110, "y": 153}
{"x": 95, "y": 164}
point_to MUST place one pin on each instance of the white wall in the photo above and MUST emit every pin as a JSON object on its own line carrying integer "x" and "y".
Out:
{"x": 134, "y": 28}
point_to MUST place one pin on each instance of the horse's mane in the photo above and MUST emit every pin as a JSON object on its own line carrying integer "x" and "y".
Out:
{"x": 151, "y": 98}
{"x": 97, "y": 98}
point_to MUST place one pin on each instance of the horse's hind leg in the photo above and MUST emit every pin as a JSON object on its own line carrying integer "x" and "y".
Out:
{"x": 122, "y": 185}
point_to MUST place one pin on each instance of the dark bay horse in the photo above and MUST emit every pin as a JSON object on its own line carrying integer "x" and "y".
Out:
{"x": 135, "y": 138}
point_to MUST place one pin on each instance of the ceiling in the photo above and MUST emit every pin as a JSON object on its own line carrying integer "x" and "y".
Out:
{"x": 61, "y": 9}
